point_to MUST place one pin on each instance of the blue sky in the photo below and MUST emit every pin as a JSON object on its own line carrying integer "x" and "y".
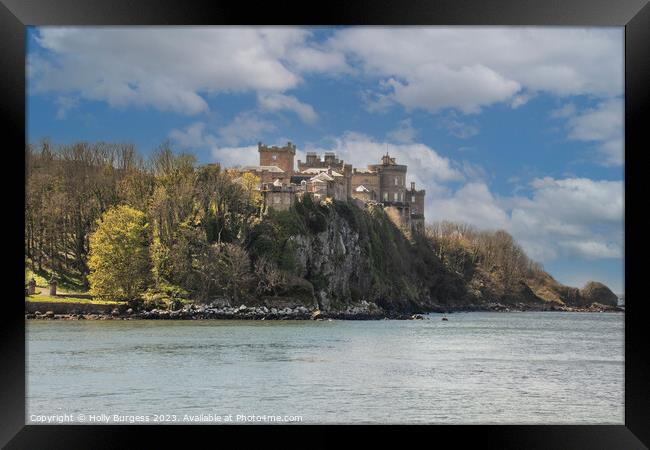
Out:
{"x": 505, "y": 127}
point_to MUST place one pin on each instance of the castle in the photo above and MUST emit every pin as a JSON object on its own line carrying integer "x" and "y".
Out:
{"x": 383, "y": 184}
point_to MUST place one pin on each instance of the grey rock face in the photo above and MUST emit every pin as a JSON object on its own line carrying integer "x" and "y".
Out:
{"x": 335, "y": 255}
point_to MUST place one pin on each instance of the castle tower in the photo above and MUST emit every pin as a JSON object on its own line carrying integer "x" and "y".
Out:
{"x": 281, "y": 157}
{"x": 392, "y": 180}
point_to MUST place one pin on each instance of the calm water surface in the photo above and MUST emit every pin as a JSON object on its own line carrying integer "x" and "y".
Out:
{"x": 486, "y": 368}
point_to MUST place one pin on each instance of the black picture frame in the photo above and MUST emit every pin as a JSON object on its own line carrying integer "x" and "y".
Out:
{"x": 634, "y": 15}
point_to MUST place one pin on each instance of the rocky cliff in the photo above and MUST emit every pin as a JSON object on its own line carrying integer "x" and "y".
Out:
{"x": 345, "y": 258}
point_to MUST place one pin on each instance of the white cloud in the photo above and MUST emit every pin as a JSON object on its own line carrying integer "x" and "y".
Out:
{"x": 425, "y": 166}
{"x": 467, "y": 88}
{"x": 578, "y": 200}
{"x": 521, "y": 99}
{"x": 591, "y": 249}
{"x": 311, "y": 59}
{"x": 473, "y": 203}
{"x": 464, "y": 68}
{"x": 604, "y": 126}
{"x": 164, "y": 68}
{"x": 571, "y": 216}
{"x": 65, "y": 104}
{"x": 404, "y": 133}
{"x": 193, "y": 136}
{"x": 467, "y": 68}
{"x": 236, "y": 156}
{"x": 575, "y": 217}
{"x": 459, "y": 128}
{"x": 245, "y": 126}
{"x": 278, "y": 102}
{"x": 568, "y": 110}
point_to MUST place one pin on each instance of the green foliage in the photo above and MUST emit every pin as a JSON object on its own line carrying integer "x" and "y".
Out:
{"x": 40, "y": 278}
{"x": 350, "y": 213}
{"x": 119, "y": 254}
{"x": 313, "y": 215}
{"x": 271, "y": 238}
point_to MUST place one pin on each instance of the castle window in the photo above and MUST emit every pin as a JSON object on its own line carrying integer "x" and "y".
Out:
{"x": 274, "y": 157}
{"x": 386, "y": 196}
{"x": 412, "y": 198}
{"x": 396, "y": 179}
{"x": 395, "y": 196}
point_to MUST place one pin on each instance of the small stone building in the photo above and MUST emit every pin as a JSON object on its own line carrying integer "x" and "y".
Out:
{"x": 330, "y": 161}
{"x": 369, "y": 180}
{"x": 266, "y": 174}
{"x": 278, "y": 196}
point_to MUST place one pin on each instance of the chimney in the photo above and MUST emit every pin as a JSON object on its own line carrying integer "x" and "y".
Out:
{"x": 412, "y": 185}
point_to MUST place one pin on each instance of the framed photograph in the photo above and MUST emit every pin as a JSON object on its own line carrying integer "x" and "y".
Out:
{"x": 297, "y": 219}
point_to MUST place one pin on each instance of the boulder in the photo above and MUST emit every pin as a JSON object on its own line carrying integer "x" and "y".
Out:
{"x": 595, "y": 292}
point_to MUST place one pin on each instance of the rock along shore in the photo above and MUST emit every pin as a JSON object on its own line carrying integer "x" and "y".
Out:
{"x": 365, "y": 311}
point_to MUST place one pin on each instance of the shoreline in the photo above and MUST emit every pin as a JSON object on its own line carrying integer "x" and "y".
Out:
{"x": 299, "y": 313}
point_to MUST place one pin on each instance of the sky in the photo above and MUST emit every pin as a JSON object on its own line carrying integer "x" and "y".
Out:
{"x": 508, "y": 128}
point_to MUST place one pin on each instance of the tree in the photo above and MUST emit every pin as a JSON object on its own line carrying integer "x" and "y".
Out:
{"x": 269, "y": 276}
{"x": 119, "y": 254}
{"x": 234, "y": 264}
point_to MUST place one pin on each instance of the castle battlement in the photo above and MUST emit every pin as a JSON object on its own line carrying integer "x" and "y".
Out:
{"x": 289, "y": 148}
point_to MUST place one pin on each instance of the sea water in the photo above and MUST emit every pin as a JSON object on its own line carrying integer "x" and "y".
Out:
{"x": 475, "y": 368}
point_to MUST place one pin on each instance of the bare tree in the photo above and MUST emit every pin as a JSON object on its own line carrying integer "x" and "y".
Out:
{"x": 269, "y": 276}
